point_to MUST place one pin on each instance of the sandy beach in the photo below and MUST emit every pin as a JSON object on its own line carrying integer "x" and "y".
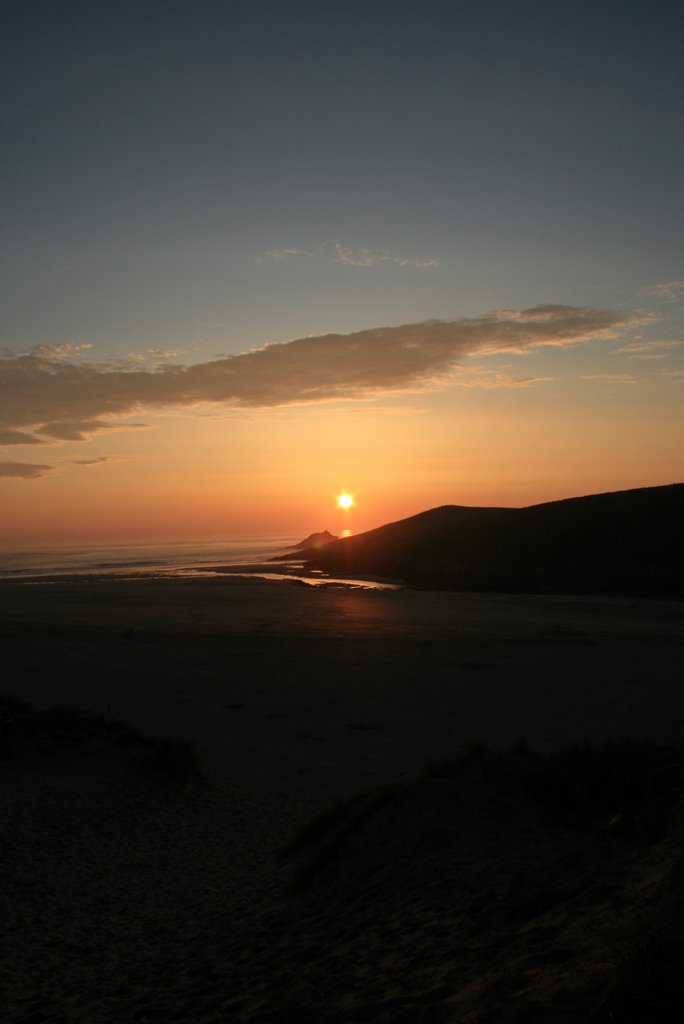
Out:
{"x": 268, "y": 679}
{"x": 131, "y": 902}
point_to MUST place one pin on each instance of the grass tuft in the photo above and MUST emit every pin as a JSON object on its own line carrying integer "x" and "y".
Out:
{"x": 597, "y": 782}
{"x": 321, "y": 841}
{"x": 171, "y": 761}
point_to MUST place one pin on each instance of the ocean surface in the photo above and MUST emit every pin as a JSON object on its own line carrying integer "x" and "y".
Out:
{"x": 244, "y": 557}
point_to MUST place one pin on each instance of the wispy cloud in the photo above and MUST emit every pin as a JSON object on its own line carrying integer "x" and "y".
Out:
{"x": 83, "y": 430}
{"x": 282, "y": 254}
{"x": 531, "y": 322}
{"x": 20, "y": 437}
{"x": 94, "y": 462}
{"x": 154, "y": 355}
{"x": 24, "y": 470}
{"x": 356, "y": 257}
{"x": 62, "y": 352}
{"x": 612, "y": 378}
{"x": 350, "y": 256}
{"x": 648, "y": 349}
{"x": 669, "y": 291}
{"x": 488, "y": 379}
{"x": 71, "y": 401}
{"x": 404, "y": 261}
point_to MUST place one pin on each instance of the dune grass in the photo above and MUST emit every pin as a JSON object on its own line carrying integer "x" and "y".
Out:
{"x": 322, "y": 840}
{"x": 628, "y": 789}
{"x": 622, "y": 783}
{"x": 26, "y": 730}
{"x": 592, "y": 782}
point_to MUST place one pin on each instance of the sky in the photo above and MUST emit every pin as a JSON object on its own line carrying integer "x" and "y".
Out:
{"x": 253, "y": 255}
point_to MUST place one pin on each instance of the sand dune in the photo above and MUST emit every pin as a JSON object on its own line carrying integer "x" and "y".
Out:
{"x": 492, "y": 888}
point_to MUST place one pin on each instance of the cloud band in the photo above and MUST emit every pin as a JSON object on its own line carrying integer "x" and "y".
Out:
{"x": 59, "y": 398}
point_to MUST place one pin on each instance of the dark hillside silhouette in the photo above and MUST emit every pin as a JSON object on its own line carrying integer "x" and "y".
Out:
{"x": 625, "y": 541}
{"x": 315, "y": 540}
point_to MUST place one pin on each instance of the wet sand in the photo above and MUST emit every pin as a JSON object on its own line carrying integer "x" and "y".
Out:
{"x": 296, "y": 698}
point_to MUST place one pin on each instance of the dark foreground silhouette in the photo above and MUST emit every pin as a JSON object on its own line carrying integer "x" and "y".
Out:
{"x": 624, "y": 542}
{"x": 497, "y": 887}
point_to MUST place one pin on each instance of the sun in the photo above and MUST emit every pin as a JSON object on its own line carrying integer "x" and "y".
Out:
{"x": 345, "y": 500}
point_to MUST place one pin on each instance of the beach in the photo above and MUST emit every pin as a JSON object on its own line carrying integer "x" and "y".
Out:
{"x": 296, "y": 698}
{"x": 425, "y": 671}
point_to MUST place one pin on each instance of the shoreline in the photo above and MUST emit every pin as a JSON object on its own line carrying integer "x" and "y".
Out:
{"x": 293, "y": 571}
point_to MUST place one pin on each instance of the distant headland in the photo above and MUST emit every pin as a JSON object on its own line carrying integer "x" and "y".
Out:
{"x": 620, "y": 542}
{"x": 316, "y": 540}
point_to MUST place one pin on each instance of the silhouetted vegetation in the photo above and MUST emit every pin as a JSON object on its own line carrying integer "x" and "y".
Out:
{"x": 616, "y": 780}
{"x": 626, "y": 789}
{"x": 26, "y": 730}
{"x": 322, "y": 840}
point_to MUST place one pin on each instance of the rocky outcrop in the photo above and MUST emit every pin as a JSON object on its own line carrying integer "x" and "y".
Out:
{"x": 316, "y": 540}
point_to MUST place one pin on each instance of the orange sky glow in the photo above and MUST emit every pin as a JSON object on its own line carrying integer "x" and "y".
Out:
{"x": 219, "y": 473}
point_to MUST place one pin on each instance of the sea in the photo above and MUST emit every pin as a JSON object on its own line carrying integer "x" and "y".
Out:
{"x": 246, "y": 557}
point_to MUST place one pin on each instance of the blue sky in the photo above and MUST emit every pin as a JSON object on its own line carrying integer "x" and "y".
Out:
{"x": 153, "y": 153}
